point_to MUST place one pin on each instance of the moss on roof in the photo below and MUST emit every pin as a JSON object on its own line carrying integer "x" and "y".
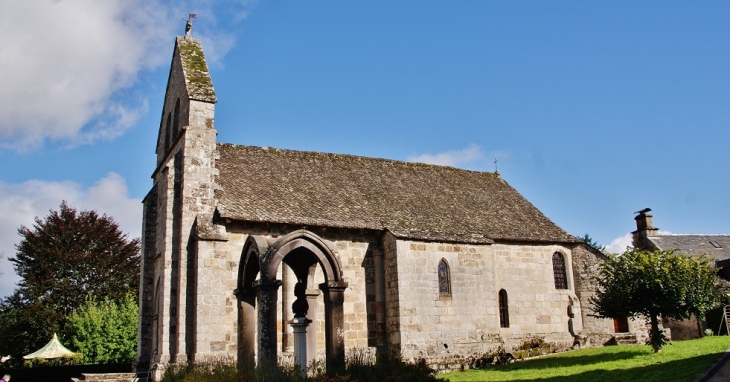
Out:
{"x": 197, "y": 77}
{"x": 411, "y": 200}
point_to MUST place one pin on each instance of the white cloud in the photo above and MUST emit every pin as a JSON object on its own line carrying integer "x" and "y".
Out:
{"x": 22, "y": 202}
{"x": 64, "y": 64}
{"x": 619, "y": 244}
{"x": 471, "y": 156}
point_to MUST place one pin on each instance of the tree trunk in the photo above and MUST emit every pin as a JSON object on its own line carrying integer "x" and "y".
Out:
{"x": 657, "y": 339}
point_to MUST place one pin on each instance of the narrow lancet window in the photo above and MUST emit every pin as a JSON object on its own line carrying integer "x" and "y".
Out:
{"x": 176, "y": 120}
{"x": 168, "y": 133}
{"x": 561, "y": 279}
{"x": 444, "y": 278}
{"x": 503, "y": 309}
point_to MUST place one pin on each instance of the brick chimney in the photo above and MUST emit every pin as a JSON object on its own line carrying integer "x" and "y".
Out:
{"x": 644, "y": 229}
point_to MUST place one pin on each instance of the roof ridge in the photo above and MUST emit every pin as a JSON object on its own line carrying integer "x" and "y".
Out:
{"x": 326, "y": 153}
{"x": 693, "y": 234}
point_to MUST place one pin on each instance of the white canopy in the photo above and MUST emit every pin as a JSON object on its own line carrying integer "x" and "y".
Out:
{"x": 53, "y": 349}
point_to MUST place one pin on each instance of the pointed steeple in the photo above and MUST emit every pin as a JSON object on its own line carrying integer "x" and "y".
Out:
{"x": 188, "y": 83}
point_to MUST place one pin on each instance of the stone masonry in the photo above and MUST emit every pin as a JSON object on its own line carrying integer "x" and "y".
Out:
{"x": 229, "y": 230}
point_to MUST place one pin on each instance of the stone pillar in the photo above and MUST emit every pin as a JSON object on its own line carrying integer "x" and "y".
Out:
{"x": 312, "y": 295}
{"x": 246, "y": 327}
{"x": 286, "y": 289}
{"x": 266, "y": 300}
{"x": 299, "y": 326}
{"x": 379, "y": 299}
{"x": 334, "y": 298}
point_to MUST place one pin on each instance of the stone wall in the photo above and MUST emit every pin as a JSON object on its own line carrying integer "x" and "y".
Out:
{"x": 215, "y": 319}
{"x": 684, "y": 329}
{"x": 455, "y": 330}
{"x": 597, "y": 331}
{"x": 392, "y": 292}
{"x": 586, "y": 262}
{"x": 145, "y": 330}
{"x": 450, "y": 331}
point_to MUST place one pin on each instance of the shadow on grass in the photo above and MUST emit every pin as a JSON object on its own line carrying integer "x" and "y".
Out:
{"x": 681, "y": 370}
{"x": 545, "y": 362}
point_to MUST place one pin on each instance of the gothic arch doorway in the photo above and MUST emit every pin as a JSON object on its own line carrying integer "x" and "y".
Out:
{"x": 302, "y": 251}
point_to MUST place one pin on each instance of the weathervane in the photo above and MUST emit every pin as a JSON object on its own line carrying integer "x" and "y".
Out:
{"x": 189, "y": 24}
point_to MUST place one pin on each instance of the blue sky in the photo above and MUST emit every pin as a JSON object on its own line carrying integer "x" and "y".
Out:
{"x": 593, "y": 110}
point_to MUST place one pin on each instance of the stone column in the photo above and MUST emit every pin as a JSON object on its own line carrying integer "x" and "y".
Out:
{"x": 312, "y": 295}
{"x": 379, "y": 299}
{"x": 334, "y": 297}
{"x": 299, "y": 326}
{"x": 247, "y": 327}
{"x": 266, "y": 300}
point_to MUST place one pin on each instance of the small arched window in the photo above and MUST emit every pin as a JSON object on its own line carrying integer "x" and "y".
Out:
{"x": 561, "y": 279}
{"x": 176, "y": 120}
{"x": 444, "y": 278}
{"x": 503, "y": 309}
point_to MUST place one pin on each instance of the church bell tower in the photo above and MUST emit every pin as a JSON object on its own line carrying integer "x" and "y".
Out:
{"x": 182, "y": 191}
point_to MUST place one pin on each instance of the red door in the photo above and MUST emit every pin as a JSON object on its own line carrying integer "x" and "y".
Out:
{"x": 620, "y": 325}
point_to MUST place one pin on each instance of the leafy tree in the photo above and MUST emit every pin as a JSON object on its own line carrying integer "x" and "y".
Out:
{"x": 64, "y": 260}
{"x": 653, "y": 284}
{"x": 590, "y": 241}
{"x": 105, "y": 332}
{"x": 24, "y": 328}
{"x": 70, "y": 256}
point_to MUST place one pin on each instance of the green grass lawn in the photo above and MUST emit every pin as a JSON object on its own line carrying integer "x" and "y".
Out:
{"x": 681, "y": 361}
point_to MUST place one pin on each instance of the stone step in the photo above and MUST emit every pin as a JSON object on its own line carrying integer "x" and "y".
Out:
{"x": 626, "y": 338}
{"x": 107, "y": 377}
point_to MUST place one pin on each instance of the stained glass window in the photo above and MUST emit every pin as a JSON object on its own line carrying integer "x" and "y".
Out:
{"x": 444, "y": 278}
{"x": 561, "y": 280}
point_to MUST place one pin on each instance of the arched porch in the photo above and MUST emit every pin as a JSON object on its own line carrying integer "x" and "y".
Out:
{"x": 302, "y": 251}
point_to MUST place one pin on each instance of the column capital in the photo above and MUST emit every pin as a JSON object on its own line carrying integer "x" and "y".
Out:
{"x": 333, "y": 286}
{"x": 242, "y": 294}
{"x": 259, "y": 285}
{"x": 377, "y": 252}
{"x": 299, "y": 322}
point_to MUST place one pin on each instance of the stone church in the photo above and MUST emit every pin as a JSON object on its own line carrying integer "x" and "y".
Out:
{"x": 432, "y": 261}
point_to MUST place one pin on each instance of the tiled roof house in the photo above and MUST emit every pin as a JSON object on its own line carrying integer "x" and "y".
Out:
{"x": 716, "y": 247}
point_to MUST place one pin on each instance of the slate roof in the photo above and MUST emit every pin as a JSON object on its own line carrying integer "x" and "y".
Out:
{"x": 411, "y": 200}
{"x": 695, "y": 244}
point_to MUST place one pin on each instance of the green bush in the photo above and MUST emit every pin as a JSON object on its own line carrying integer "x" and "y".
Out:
{"x": 76, "y": 359}
{"x": 105, "y": 331}
{"x": 360, "y": 367}
{"x": 533, "y": 347}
